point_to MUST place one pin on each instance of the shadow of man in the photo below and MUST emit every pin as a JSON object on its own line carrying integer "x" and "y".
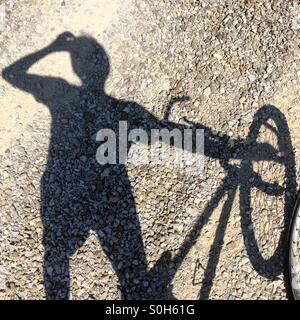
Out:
{"x": 78, "y": 194}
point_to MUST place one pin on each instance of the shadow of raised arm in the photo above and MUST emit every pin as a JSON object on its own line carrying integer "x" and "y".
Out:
{"x": 17, "y": 73}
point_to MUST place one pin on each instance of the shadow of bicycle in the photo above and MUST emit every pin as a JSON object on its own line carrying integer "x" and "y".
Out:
{"x": 267, "y": 153}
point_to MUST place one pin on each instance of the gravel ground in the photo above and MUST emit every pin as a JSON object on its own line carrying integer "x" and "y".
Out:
{"x": 148, "y": 231}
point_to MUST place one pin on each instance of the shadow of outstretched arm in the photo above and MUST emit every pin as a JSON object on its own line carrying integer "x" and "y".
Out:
{"x": 216, "y": 144}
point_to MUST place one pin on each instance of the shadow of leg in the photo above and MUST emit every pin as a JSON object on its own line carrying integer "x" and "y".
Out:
{"x": 119, "y": 233}
{"x": 125, "y": 250}
{"x": 56, "y": 271}
{"x": 61, "y": 239}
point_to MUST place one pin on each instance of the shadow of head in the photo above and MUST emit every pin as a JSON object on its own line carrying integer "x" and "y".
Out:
{"x": 89, "y": 59}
